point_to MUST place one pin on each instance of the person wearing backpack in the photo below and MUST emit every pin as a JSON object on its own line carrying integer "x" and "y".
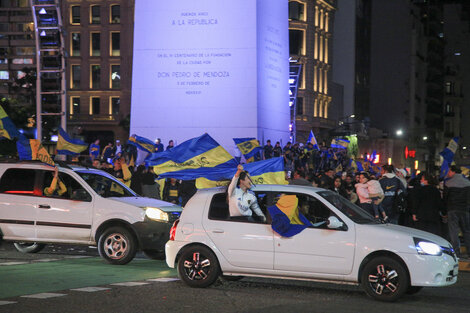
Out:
{"x": 393, "y": 191}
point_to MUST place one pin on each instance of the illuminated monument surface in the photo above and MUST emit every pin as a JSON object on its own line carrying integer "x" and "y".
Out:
{"x": 211, "y": 66}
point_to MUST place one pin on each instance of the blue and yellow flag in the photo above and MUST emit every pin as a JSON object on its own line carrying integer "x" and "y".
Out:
{"x": 69, "y": 146}
{"x": 32, "y": 149}
{"x": 142, "y": 143}
{"x": 249, "y": 147}
{"x": 198, "y": 157}
{"x": 7, "y": 128}
{"x": 268, "y": 172}
{"x": 287, "y": 221}
{"x": 340, "y": 143}
{"x": 448, "y": 155}
{"x": 313, "y": 140}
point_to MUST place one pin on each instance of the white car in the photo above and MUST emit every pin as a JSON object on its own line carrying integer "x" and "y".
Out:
{"x": 95, "y": 209}
{"x": 346, "y": 245}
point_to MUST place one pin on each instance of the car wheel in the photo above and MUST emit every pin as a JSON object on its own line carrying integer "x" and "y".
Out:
{"x": 29, "y": 247}
{"x": 232, "y": 278}
{"x": 154, "y": 254}
{"x": 384, "y": 279}
{"x": 413, "y": 289}
{"x": 117, "y": 245}
{"x": 198, "y": 267}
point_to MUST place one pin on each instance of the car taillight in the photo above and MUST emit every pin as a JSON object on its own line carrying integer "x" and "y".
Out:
{"x": 173, "y": 230}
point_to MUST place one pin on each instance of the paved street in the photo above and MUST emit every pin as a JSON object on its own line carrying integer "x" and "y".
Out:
{"x": 74, "y": 279}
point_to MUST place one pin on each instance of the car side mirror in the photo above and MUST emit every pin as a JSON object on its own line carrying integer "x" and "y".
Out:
{"x": 81, "y": 195}
{"x": 334, "y": 223}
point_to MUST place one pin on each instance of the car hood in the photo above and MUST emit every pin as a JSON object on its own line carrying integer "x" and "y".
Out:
{"x": 149, "y": 202}
{"x": 399, "y": 232}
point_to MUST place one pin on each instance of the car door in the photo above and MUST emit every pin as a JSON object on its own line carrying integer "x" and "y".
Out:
{"x": 18, "y": 209}
{"x": 66, "y": 217}
{"x": 243, "y": 243}
{"x": 317, "y": 249}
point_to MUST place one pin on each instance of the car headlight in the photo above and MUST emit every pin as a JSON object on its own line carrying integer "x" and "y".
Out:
{"x": 424, "y": 246}
{"x": 156, "y": 214}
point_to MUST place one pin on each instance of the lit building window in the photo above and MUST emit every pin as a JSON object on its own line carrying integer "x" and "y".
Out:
{"x": 115, "y": 76}
{"x": 320, "y": 40}
{"x": 75, "y": 81}
{"x": 315, "y": 107}
{"x": 95, "y": 105}
{"x": 315, "y": 47}
{"x": 115, "y": 16}
{"x": 316, "y": 16}
{"x": 296, "y": 11}
{"x": 75, "y": 105}
{"x": 320, "y": 107}
{"x": 95, "y": 43}
{"x": 326, "y": 22}
{"x": 75, "y": 45}
{"x": 75, "y": 14}
{"x": 114, "y": 105}
{"x": 325, "y": 109}
{"x": 321, "y": 19}
{"x": 115, "y": 41}
{"x": 4, "y": 75}
{"x": 325, "y": 78}
{"x": 95, "y": 76}
{"x": 326, "y": 50}
{"x": 320, "y": 81}
{"x": 315, "y": 80}
{"x": 95, "y": 14}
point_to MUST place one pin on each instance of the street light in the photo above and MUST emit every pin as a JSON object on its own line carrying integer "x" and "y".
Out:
{"x": 399, "y": 132}
{"x": 341, "y": 120}
{"x": 425, "y": 138}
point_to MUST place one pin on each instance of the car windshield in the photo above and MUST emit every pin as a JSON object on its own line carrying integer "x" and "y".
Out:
{"x": 355, "y": 213}
{"x": 106, "y": 186}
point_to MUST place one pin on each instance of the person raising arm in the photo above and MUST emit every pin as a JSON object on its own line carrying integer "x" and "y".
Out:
{"x": 242, "y": 201}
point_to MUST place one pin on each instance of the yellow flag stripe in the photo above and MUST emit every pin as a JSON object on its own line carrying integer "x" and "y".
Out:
{"x": 210, "y": 158}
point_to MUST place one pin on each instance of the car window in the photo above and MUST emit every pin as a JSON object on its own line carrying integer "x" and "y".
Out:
{"x": 355, "y": 213}
{"x": 18, "y": 181}
{"x": 219, "y": 209}
{"x": 106, "y": 186}
{"x": 66, "y": 188}
{"x": 312, "y": 208}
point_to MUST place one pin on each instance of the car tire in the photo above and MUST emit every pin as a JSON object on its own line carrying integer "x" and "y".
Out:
{"x": 385, "y": 279}
{"x": 413, "y": 290}
{"x": 117, "y": 245}
{"x": 155, "y": 255}
{"x": 29, "y": 247}
{"x": 198, "y": 267}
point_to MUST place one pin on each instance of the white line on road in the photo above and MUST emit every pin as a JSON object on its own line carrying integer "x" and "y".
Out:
{"x": 44, "y": 295}
{"x": 13, "y": 263}
{"x": 163, "y": 279}
{"x": 90, "y": 289}
{"x": 6, "y": 302}
{"x": 130, "y": 284}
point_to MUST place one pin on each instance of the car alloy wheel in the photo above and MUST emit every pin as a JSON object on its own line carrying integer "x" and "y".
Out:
{"x": 198, "y": 266}
{"x": 385, "y": 279}
{"x": 117, "y": 246}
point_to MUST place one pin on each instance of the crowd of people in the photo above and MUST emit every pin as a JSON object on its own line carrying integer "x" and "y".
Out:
{"x": 389, "y": 194}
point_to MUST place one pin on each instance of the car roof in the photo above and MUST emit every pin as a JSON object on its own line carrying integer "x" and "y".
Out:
{"x": 260, "y": 188}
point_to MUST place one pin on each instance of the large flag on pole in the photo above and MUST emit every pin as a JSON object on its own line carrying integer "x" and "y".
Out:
{"x": 313, "y": 140}
{"x": 249, "y": 147}
{"x": 198, "y": 157}
{"x": 270, "y": 171}
{"x": 69, "y": 146}
{"x": 7, "y": 128}
{"x": 340, "y": 143}
{"x": 144, "y": 146}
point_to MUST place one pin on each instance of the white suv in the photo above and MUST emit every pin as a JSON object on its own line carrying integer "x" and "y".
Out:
{"x": 343, "y": 245}
{"x": 96, "y": 209}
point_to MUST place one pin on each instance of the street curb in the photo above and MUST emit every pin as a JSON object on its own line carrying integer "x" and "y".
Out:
{"x": 464, "y": 266}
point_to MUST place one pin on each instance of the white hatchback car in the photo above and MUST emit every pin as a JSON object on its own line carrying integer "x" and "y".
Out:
{"x": 346, "y": 246}
{"x": 95, "y": 209}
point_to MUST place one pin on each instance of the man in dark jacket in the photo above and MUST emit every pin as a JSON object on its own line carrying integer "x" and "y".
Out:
{"x": 392, "y": 186}
{"x": 457, "y": 201}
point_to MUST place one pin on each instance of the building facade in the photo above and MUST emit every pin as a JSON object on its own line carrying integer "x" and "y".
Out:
{"x": 310, "y": 42}
{"x": 99, "y": 45}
